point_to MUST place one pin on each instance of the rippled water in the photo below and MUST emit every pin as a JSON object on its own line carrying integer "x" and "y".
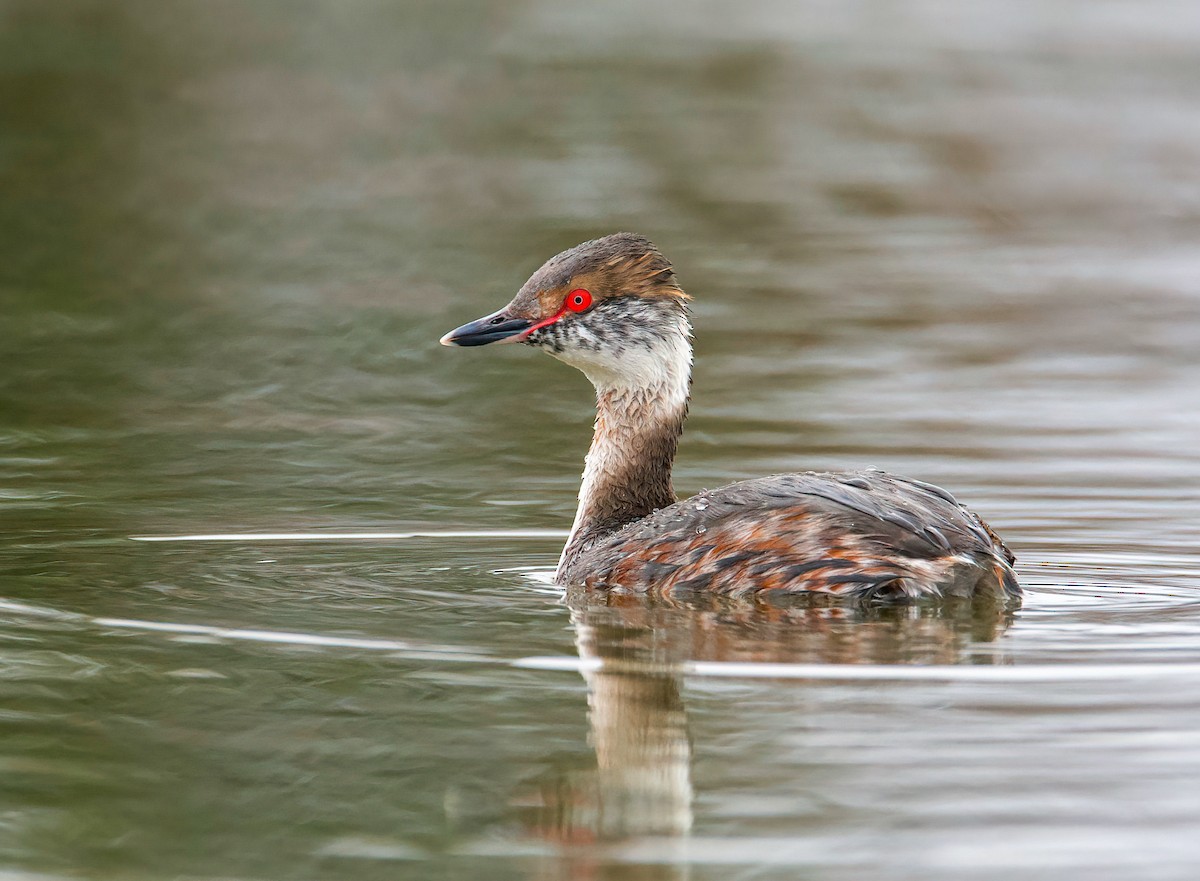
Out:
{"x": 956, "y": 241}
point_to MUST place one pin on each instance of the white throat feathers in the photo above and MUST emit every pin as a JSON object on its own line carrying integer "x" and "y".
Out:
{"x": 642, "y": 386}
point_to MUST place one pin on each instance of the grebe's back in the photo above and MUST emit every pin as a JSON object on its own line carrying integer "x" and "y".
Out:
{"x": 864, "y": 534}
{"x": 613, "y": 309}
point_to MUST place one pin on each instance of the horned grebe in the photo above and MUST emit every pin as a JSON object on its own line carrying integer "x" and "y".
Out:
{"x": 613, "y": 309}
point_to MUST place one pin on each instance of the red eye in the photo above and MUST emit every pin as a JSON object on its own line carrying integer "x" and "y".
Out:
{"x": 578, "y": 300}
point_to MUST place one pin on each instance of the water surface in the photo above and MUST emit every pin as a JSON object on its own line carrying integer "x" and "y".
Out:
{"x": 954, "y": 242}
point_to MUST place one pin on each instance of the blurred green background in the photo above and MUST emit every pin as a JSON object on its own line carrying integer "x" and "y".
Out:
{"x": 955, "y": 240}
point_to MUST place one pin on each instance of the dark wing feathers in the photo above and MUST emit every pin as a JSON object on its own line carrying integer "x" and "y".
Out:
{"x": 864, "y": 533}
{"x": 895, "y": 509}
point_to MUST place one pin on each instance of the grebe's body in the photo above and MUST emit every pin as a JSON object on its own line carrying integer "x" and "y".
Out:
{"x": 613, "y": 308}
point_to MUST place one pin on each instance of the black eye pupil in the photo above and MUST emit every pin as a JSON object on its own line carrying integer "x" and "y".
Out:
{"x": 578, "y": 300}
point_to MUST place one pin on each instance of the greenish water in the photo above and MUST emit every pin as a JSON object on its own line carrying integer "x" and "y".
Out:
{"x": 954, "y": 241}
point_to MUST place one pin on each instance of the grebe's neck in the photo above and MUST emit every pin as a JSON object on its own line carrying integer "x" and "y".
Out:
{"x": 639, "y": 418}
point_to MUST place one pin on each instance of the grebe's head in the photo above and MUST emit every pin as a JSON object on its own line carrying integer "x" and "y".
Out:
{"x": 610, "y": 307}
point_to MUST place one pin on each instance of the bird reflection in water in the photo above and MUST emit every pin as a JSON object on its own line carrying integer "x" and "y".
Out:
{"x": 630, "y": 813}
